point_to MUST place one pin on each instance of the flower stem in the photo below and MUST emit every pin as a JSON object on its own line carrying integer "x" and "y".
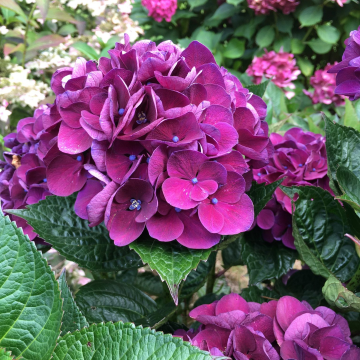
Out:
{"x": 307, "y": 33}
{"x": 354, "y": 284}
{"x": 26, "y": 32}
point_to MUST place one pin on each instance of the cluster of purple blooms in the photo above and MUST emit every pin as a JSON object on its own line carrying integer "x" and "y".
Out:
{"x": 348, "y": 70}
{"x": 151, "y": 137}
{"x": 263, "y": 7}
{"x": 299, "y": 159}
{"x": 280, "y": 329}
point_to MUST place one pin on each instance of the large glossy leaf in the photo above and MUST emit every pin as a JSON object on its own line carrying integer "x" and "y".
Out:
{"x": 337, "y": 295}
{"x": 86, "y": 50}
{"x": 259, "y": 89}
{"x": 55, "y": 221}
{"x": 73, "y": 318}
{"x": 30, "y": 303}
{"x": 260, "y": 194}
{"x": 342, "y": 147}
{"x": 350, "y": 186}
{"x": 149, "y": 283}
{"x": 159, "y": 317}
{"x": 172, "y": 261}
{"x": 231, "y": 255}
{"x": 319, "y": 227}
{"x": 107, "y": 300}
{"x": 125, "y": 342}
{"x": 255, "y": 294}
{"x": 45, "y": 42}
{"x": 265, "y": 261}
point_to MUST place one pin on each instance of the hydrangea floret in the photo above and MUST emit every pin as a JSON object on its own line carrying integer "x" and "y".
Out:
{"x": 279, "y": 67}
{"x": 160, "y": 9}
{"x": 280, "y": 329}
{"x": 300, "y": 159}
{"x": 348, "y": 70}
{"x": 263, "y": 7}
{"x": 153, "y": 137}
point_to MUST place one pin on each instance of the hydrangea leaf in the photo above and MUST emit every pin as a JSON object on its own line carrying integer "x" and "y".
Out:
{"x": 231, "y": 255}
{"x": 149, "y": 283}
{"x": 311, "y": 15}
{"x": 259, "y": 89}
{"x": 197, "y": 278}
{"x": 350, "y": 186}
{"x": 5, "y": 355}
{"x": 339, "y": 296}
{"x": 319, "y": 227}
{"x": 342, "y": 147}
{"x": 73, "y": 318}
{"x": 261, "y": 194}
{"x": 172, "y": 261}
{"x": 126, "y": 342}
{"x": 255, "y": 294}
{"x": 107, "y": 300}
{"x": 30, "y": 301}
{"x": 265, "y": 261}
{"x": 159, "y": 317}
{"x": 56, "y": 222}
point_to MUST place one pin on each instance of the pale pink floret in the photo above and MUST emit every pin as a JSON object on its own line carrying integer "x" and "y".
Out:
{"x": 160, "y": 9}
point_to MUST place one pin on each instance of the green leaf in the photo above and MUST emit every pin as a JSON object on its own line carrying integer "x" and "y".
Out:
{"x": 350, "y": 186}
{"x": 339, "y": 296}
{"x": 342, "y": 147}
{"x": 350, "y": 117}
{"x": 284, "y": 23}
{"x": 255, "y": 294}
{"x": 265, "y": 261}
{"x": 319, "y": 46}
{"x": 43, "y": 5}
{"x": 172, "y": 261}
{"x": 45, "y": 42}
{"x": 297, "y": 46}
{"x": 234, "y": 2}
{"x": 319, "y": 227}
{"x": 328, "y": 33}
{"x": 86, "y": 50}
{"x": 107, "y": 300}
{"x": 13, "y": 6}
{"x": 5, "y": 355}
{"x": 195, "y": 3}
{"x": 30, "y": 302}
{"x": 265, "y": 36}
{"x": 259, "y": 89}
{"x": 261, "y": 194}
{"x": 149, "y": 283}
{"x": 125, "y": 342}
{"x": 60, "y": 15}
{"x": 73, "y": 318}
{"x": 197, "y": 278}
{"x": 305, "y": 65}
{"x": 231, "y": 255}
{"x": 223, "y": 12}
{"x": 159, "y": 317}
{"x": 67, "y": 29}
{"x": 277, "y": 98}
{"x": 234, "y": 49}
{"x": 55, "y": 221}
{"x": 311, "y": 15}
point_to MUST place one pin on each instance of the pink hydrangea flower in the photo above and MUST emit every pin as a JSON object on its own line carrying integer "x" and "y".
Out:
{"x": 160, "y": 9}
{"x": 340, "y": 2}
{"x": 281, "y": 67}
{"x": 263, "y": 7}
{"x": 324, "y": 85}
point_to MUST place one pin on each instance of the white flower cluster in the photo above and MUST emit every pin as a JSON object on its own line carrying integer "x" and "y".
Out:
{"x": 17, "y": 88}
{"x": 4, "y": 112}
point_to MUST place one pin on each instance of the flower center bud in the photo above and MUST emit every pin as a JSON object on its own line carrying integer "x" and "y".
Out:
{"x": 45, "y": 180}
{"x": 121, "y": 111}
{"x": 135, "y": 204}
{"x": 313, "y": 169}
{"x": 148, "y": 160}
{"x": 285, "y": 167}
{"x": 79, "y": 158}
{"x": 175, "y": 139}
{"x": 132, "y": 157}
{"x": 214, "y": 201}
{"x": 25, "y": 190}
{"x": 141, "y": 118}
{"x": 177, "y": 210}
{"x": 300, "y": 165}
{"x": 194, "y": 180}
{"x": 258, "y": 174}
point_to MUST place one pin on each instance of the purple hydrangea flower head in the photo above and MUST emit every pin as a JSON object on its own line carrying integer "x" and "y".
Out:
{"x": 153, "y": 137}
{"x": 348, "y": 70}
{"x": 306, "y": 333}
{"x": 263, "y": 7}
{"x": 280, "y": 67}
{"x": 324, "y": 85}
{"x": 300, "y": 158}
{"x": 160, "y": 9}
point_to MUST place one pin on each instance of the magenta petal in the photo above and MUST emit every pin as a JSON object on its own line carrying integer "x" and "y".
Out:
{"x": 123, "y": 228}
{"x": 213, "y": 337}
{"x": 71, "y": 114}
{"x": 217, "y": 95}
{"x": 332, "y": 348}
{"x": 214, "y": 171}
{"x": 177, "y": 193}
{"x": 195, "y": 236}
{"x": 196, "y": 54}
{"x": 266, "y": 219}
{"x": 238, "y": 217}
{"x": 185, "y": 163}
{"x": 84, "y": 196}
{"x": 291, "y": 350}
{"x": 210, "y": 217}
{"x": 262, "y": 323}
{"x": 317, "y": 336}
{"x": 148, "y": 209}
{"x": 206, "y": 309}
{"x": 157, "y": 163}
{"x": 73, "y": 141}
{"x": 226, "y": 320}
{"x": 351, "y": 354}
{"x": 65, "y": 175}
{"x": 233, "y": 190}
{"x": 231, "y": 302}
{"x": 203, "y": 189}
{"x": 165, "y": 227}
